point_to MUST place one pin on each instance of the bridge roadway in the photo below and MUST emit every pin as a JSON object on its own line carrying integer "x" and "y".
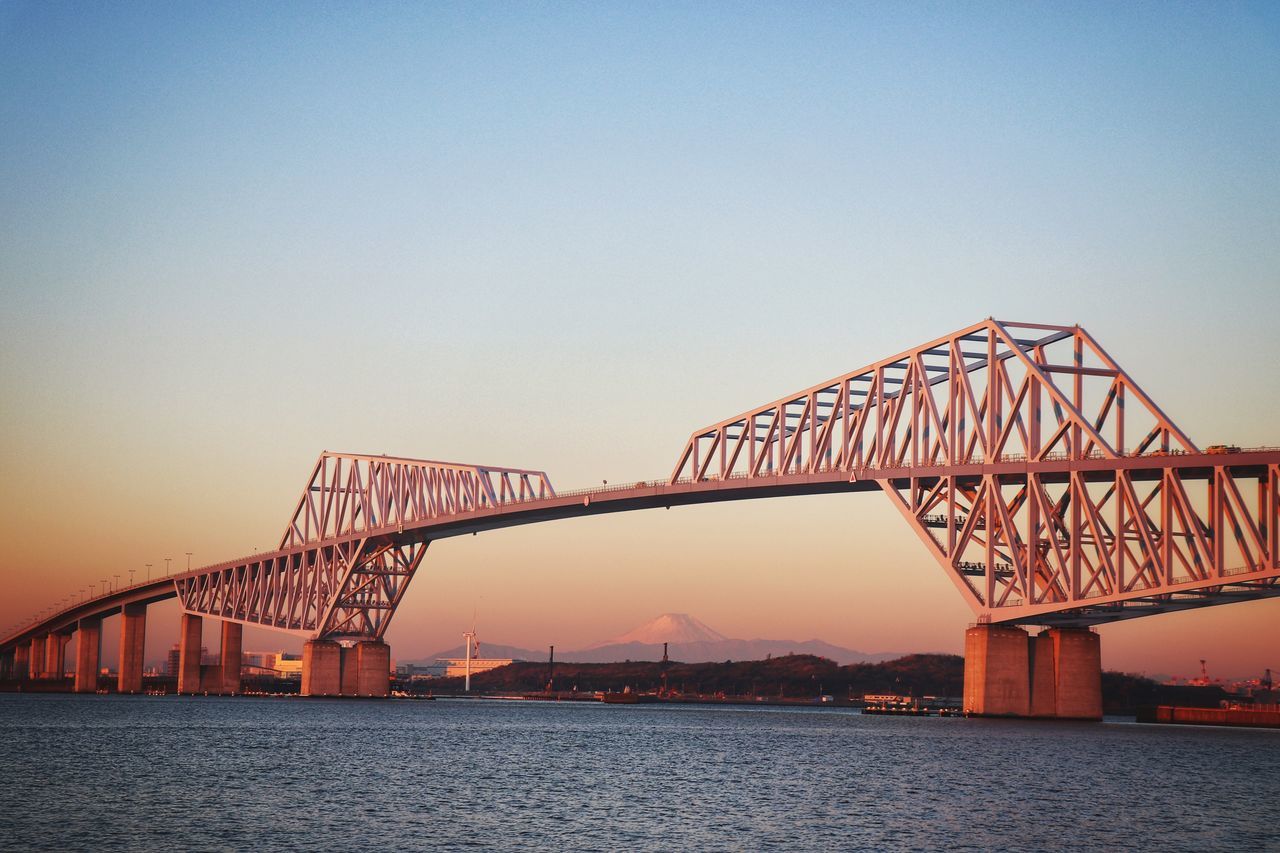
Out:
{"x": 1044, "y": 502}
{"x": 85, "y": 615}
{"x": 657, "y": 494}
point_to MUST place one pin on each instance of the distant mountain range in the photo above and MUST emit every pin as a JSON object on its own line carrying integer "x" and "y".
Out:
{"x": 689, "y": 640}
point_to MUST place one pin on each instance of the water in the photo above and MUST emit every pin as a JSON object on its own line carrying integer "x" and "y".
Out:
{"x": 111, "y": 772}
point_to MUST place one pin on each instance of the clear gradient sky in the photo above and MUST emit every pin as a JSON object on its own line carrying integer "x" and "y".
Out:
{"x": 562, "y": 237}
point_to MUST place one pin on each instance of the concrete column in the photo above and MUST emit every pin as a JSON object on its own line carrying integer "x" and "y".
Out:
{"x": 1044, "y": 679}
{"x": 321, "y": 668}
{"x": 189, "y": 636}
{"x": 996, "y": 672}
{"x": 232, "y": 644}
{"x": 373, "y": 665}
{"x": 22, "y": 661}
{"x": 1077, "y": 655}
{"x": 6, "y": 664}
{"x": 55, "y": 649}
{"x": 133, "y": 645}
{"x": 350, "y": 669}
{"x": 88, "y": 652}
{"x": 37, "y": 657}
{"x": 210, "y": 678}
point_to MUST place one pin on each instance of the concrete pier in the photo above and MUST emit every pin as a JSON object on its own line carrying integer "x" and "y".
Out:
{"x": 1056, "y": 675}
{"x": 996, "y": 672}
{"x": 1077, "y": 659}
{"x": 1044, "y": 690}
{"x": 88, "y": 653}
{"x": 218, "y": 679}
{"x": 350, "y": 670}
{"x": 22, "y": 661}
{"x": 36, "y": 668}
{"x": 321, "y": 668}
{"x": 189, "y": 639}
{"x": 55, "y": 648}
{"x": 231, "y": 656}
{"x": 373, "y": 667}
{"x": 133, "y": 644}
{"x": 329, "y": 669}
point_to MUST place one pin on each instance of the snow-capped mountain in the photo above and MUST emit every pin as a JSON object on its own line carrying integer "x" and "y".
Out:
{"x": 667, "y": 628}
{"x": 688, "y": 639}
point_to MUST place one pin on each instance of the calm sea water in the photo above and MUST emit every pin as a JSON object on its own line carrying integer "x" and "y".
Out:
{"x": 111, "y": 772}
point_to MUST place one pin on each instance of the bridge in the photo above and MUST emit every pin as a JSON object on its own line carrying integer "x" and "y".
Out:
{"x": 1048, "y": 487}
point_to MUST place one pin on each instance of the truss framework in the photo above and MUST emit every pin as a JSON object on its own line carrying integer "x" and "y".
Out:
{"x": 344, "y": 589}
{"x": 351, "y": 493}
{"x": 991, "y": 391}
{"x": 1046, "y": 483}
{"x": 1079, "y": 547}
{"x": 1048, "y": 486}
{"x": 343, "y": 566}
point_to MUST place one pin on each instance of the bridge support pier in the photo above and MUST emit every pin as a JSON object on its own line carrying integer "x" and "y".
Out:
{"x": 230, "y": 657}
{"x": 1056, "y": 675}
{"x": 133, "y": 644}
{"x": 189, "y": 638}
{"x": 55, "y": 648}
{"x": 22, "y": 661}
{"x": 221, "y": 678}
{"x": 1077, "y": 669}
{"x": 329, "y": 669}
{"x": 36, "y": 663}
{"x": 88, "y": 652}
{"x": 321, "y": 668}
{"x": 373, "y": 668}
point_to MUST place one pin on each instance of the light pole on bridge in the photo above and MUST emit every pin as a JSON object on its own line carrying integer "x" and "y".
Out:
{"x": 167, "y": 560}
{"x": 188, "y": 561}
{"x": 131, "y": 571}
{"x": 104, "y": 586}
{"x": 117, "y": 577}
{"x": 148, "y": 571}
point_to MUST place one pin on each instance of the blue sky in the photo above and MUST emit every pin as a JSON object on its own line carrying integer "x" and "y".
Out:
{"x": 564, "y": 235}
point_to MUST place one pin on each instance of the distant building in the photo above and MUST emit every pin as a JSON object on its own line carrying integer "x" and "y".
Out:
{"x": 260, "y": 660}
{"x": 289, "y": 666}
{"x": 449, "y": 667}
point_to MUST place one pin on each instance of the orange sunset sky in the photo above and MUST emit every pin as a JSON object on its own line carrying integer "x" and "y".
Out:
{"x": 564, "y": 241}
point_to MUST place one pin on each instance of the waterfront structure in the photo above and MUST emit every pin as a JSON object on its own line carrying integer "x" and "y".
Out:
{"x": 449, "y": 667}
{"x": 1050, "y": 489}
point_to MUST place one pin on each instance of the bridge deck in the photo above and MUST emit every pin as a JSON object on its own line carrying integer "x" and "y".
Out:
{"x": 658, "y": 494}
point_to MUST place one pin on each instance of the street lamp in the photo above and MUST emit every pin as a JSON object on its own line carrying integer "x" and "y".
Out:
{"x": 131, "y": 571}
{"x": 188, "y": 561}
{"x": 117, "y": 577}
{"x": 166, "y": 565}
{"x": 104, "y": 586}
{"x": 148, "y": 571}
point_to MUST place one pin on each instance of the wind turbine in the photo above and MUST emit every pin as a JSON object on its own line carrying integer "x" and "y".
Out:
{"x": 469, "y": 637}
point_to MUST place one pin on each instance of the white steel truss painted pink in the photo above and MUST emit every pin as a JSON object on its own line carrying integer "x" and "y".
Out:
{"x": 1047, "y": 485}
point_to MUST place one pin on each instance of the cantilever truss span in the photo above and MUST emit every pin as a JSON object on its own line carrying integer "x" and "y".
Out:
{"x": 344, "y": 562}
{"x": 1044, "y": 481}
{"x": 1049, "y": 487}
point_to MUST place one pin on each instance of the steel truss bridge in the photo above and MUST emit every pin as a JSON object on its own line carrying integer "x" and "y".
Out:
{"x": 1049, "y": 488}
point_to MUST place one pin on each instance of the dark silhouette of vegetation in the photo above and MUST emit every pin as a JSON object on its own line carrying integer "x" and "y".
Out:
{"x": 789, "y": 676}
{"x": 800, "y": 677}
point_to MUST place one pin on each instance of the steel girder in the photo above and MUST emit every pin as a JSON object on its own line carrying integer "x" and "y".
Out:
{"x": 344, "y": 589}
{"x": 343, "y": 566}
{"x": 351, "y": 493}
{"x": 1045, "y": 482}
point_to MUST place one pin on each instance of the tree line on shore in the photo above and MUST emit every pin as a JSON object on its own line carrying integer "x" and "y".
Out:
{"x": 794, "y": 677}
